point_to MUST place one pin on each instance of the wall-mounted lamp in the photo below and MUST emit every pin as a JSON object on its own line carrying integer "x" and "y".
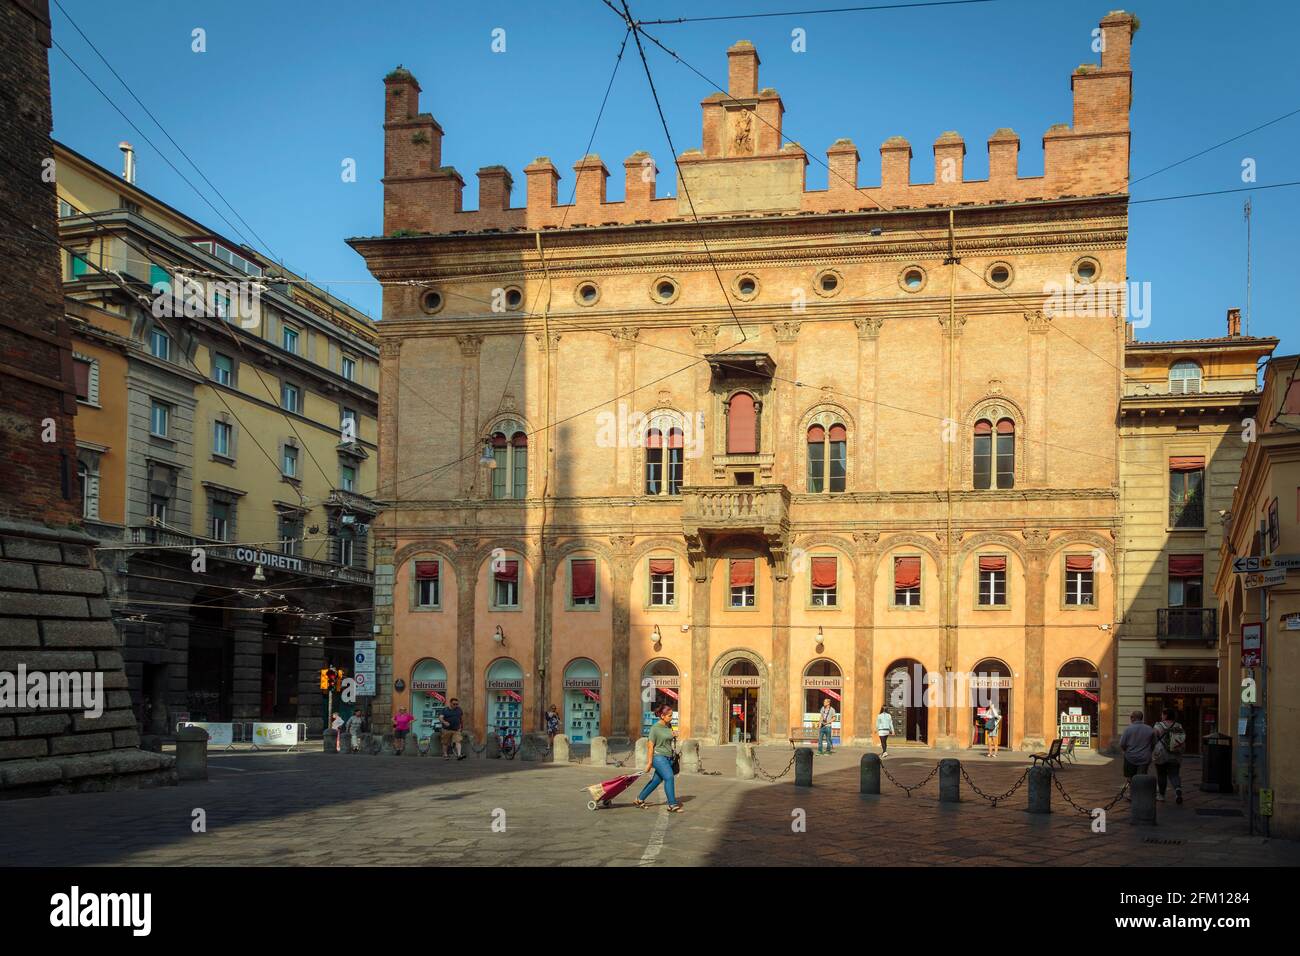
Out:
{"x": 499, "y": 636}
{"x": 656, "y": 637}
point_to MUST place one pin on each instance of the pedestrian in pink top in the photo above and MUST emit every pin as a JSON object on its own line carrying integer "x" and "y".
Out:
{"x": 401, "y": 726}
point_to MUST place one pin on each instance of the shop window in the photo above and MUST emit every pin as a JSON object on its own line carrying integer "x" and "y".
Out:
{"x": 822, "y": 680}
{"x": 742, "y": 424}
{"x": 907, "y": 581}
{"x": 427, "y": 584}
{"x": 505, "y": 584}
{"x": 742, "y": 582}
{"x": 1078, "y": 580}
{"x": 1078, "y": 699}
{"x": 824, "y": 572}
{"x": 660, "y": 684}
{"x": 662, "y": 582}
{"x": 582, "y": 582}
{"x": 1186, "y": 491}
{"x": 992, "y": 580}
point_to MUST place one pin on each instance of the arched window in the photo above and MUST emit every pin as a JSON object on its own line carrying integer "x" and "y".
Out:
{"x": 995, "y": 463}
{"x": 742, "y": 425}
{"x": 510, "y": 462}
{"x": 1184, "y": 378}
{"x": 827, "y": 458}
{"x": 663, "y": 465}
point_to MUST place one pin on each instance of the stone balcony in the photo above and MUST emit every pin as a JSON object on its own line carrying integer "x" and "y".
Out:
{"x": 712, "y": 510}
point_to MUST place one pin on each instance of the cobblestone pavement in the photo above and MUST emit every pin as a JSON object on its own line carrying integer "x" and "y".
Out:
{"x": 319, "y": 809}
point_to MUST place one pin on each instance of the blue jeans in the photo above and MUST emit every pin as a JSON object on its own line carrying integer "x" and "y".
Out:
{"x": 663, "y": 774}
{"x": 824, "y": 736}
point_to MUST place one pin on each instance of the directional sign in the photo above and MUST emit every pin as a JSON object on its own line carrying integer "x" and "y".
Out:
{"x": 1270, "y": 563}
{"x": 1263, "y": 579}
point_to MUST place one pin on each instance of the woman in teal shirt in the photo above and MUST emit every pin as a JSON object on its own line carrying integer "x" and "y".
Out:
{"x": 660, "y": 760}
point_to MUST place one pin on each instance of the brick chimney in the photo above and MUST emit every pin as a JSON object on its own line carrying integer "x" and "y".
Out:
{"x": 1234, "y": 323}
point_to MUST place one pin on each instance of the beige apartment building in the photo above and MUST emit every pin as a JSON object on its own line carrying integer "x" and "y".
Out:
{"x": 857, "y": 443}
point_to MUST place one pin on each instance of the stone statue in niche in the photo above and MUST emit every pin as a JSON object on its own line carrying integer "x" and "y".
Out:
{"x": 742, "y": 136}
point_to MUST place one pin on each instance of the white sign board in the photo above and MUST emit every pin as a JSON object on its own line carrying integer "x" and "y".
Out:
{"x": 1263, "y": 579}
{"x": 1291, "y": 622}
{"x": 363, "y": 667}
{"x": 275, "y": 735}
{"x": 219, "y": 735}
{"x": 1279, "y": 562}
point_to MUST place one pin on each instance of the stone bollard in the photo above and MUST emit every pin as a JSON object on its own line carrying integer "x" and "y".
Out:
{"x": 534, "y": 746}
{"x": 493, "y": 751}
{"x": 745, "y": 761}
{"x": 690, "y": 756}
{"x": 466, "y": 745}
{"x": 599, "y": 751}
{"x": 950, "y": 780}
{"x": 640, "y": 758}
{"x": 330, "y": 739}
{"x": 1142, "y": 791}
{"x": 869, "y": 774}
{"x": 560, "y": 748}
{"x": 387, "y": 748}
{"x": 192, "y": 753}
{"x": 1040, "y": 790}
{"x": 412, "y": 746}
{"x": 803, "y": 761}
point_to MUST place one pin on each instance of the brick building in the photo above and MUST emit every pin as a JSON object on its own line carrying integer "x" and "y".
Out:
{"x": 54, "y": 613}
{"x": 863, "y": 443}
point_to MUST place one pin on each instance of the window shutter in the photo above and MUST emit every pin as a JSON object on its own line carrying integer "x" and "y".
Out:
{"x": 1186, "y": 565}
{"x": 81, "y": 371}
{"x": 742, "y": 425}
{"x": 824, "y": 571}
{"x": 993, "y": 562}
{"x": 742, "y": 573}
{"x": 509, "y": 571}
{"x": 582, "y": 572}
{"x": 426, "y": 570}
{"x": 1187, "y": 463}
{"x": 1078, "y": 562}
{"x": 907, "y": 572}
{"x": 662, "y": 565}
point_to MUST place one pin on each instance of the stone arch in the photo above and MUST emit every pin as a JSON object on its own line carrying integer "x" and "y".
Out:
{"x": 1075, "y": 538}
{"x": 993, "y": 407}
{"x": 440, "y": 549}
{"x": 911, "y": 539}
{"x": 676, "y": 545}
{"x": 519, "y": 546}
{"x": 663, "y": 417}
{"x": 724, "y": 660}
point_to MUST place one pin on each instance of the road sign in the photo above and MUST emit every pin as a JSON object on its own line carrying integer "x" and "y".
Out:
{"x": 1263, "y": 579}
{"x": 1252, "y": 649}
{"x": 1271, "y": 562}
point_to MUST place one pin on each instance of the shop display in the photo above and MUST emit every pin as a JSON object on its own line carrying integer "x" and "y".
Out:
{"x": 506, "y": 714}
{"x": 812, "y": 724}
{"x": 1075, "y": 723}
{"x": 581, "y": 716}
{"x": 648, "y": 720}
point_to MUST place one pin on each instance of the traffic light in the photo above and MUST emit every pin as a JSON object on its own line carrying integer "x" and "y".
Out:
{"x": 324, "y": 679}
{"x": 339, "y": 675}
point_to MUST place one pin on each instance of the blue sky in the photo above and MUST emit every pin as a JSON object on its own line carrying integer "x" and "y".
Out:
{"x": 287, "y": 90}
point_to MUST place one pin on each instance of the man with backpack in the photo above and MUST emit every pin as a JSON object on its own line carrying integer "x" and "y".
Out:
{"x": 1167, "y": 755}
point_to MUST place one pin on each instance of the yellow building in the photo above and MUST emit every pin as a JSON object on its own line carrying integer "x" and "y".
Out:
{"x": 226, "y": 405}
{"x": 1263, "y": 523}
{"x": 1181, "y": 423}
{"x": 857, "y": 443}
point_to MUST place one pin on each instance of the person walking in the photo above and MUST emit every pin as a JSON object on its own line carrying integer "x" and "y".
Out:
{"x": 552, "y": 723}
{"x": 1135, "y": 744}
{"x": 884, "y": 727}
{"x": 992, "y": 730}
{"x": 336, "y": 725}
{"x": 401, "y": 727}
{"x": 660, "y": 760}
{"x": 826, "y": 727}
{"x": 354, "y": 725}
{"x": 1167, "y": 754}
{"x": 452, "y": 718}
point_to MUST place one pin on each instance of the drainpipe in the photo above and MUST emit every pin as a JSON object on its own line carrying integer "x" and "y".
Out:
{"x": 544, "y": 637}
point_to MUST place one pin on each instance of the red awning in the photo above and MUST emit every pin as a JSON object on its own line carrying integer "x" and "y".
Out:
{"x": 907, "y": 572}
{"x": 839, "y": 433}
{"x": 669, "y": 692}
{"x": 1187, "y": 463}
{"x": 654, "y": 438}
{"x": 520, "y": 440}
{"x": 592, "y": 694}
{"x": 675, "y": 438}
{"x": 824, "y": 572}
{"x": 983, "y": 427}
{"x": 833, "y": 694}
{"x": 509, "y": 571}
{"x": 1186, "y": 565}
{"x": 1006, "y": 427}
{"x": 1078, "y": 562}
{"x": 513, "y": 695}
{"x": 662, "y": 565}
{"x": 993, "y": 562}
{"x": 583, "y": 571}
{"x": 742, "y": 573}
{"x": 816, "y": 435}
{"x": 426, "y": 570}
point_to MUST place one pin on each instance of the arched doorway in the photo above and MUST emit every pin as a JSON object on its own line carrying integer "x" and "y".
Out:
{"x": 660, "y": 685}
{"x": 904, "y": 697}
{"x": 822, "y": 679}
{"x": 1078, "y": 700}
{"x": 428, "y": 696}
{"x": 741, "y": 683}
{"x": 990, "y": 683}
{"x": 581, "y": 701}
{"x": 505, "y": 698}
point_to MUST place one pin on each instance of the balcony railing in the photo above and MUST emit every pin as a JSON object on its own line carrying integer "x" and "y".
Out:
{"x": 1187, "y": 624}
{"x": 253, "y": 556}
{"x": 724, "y": 508}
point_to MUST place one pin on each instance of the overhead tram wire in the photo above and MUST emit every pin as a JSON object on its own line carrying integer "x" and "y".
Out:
{"x": 1210, "y": 149}
{"x": 1216, "y": 192}
{"x": 160, "y": 126}
{"x": 811, "y": 13}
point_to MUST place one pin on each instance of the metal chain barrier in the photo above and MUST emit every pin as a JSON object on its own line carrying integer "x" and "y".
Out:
{"x": 998, "y": 799}
{"x": 916, "y": 786}
{"x": 708, "y": 773}
{"x": 1123, "y": 791}
{"x": 767, "y": 776}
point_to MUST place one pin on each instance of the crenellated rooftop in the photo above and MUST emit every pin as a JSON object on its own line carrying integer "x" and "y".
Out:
{"x": 745, "y": 166}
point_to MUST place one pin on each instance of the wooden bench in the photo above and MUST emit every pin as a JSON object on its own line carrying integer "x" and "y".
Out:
{"x": 1068, "y": 750}
{"x": 1053, "y": 755}
{"x": 803, "y": 735}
